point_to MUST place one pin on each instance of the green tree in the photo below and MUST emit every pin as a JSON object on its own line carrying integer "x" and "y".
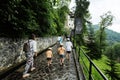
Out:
{"x": 106, "y": 20}
{"x": 91, "y": 44}
{"x": 117, "y": 51}
{"x": 23, "y": 17}
{"x": 8, "y": 19}
{"x": 113, "y": 71}
{"x": 116, "y": 54}
{"x": 82, "y": 13}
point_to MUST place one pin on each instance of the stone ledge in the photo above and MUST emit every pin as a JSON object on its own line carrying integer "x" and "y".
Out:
{"x": 8, "y": 70}
{"x": 11, "y": 51}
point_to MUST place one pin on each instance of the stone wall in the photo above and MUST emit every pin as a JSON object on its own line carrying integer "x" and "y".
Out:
{"x": 11, "y": 51}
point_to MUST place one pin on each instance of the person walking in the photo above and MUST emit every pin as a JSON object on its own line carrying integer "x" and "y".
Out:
{"x": 61, "y": 52}
{"x": 49, "y": 56}
{"x": 32, "y": 44}
{"x": 59, "y": 40}
{"x": 68, "y": 48}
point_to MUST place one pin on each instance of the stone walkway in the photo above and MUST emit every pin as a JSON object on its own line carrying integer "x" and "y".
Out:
{"x": 42, "y": 72}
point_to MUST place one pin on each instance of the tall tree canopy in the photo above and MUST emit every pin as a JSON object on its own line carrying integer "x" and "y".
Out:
{"x": 106, "y": 20}
{"x": 82, "y": 13}
{"x": 23, "y": 17}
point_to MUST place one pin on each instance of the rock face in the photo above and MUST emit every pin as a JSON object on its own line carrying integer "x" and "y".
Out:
{"x": 11, "y": 51}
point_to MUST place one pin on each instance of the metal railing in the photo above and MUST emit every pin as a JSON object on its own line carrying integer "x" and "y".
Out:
{"x": 90, "y": 70}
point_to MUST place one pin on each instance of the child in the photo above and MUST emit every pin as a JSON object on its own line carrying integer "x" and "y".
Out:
{"x": 61, "y": 51}
{"x": 49, "y": 56}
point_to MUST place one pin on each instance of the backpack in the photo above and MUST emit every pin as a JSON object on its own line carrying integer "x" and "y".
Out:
{"x": 26, "y": 47}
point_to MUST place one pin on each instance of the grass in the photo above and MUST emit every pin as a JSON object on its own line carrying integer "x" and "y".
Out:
{"x": 101, "y": 64}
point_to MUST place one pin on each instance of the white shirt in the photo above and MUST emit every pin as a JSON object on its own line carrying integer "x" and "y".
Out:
{"x": 33, "y": 45}
{"x": 68, "y": 46}
{"x": 59, "y": 38}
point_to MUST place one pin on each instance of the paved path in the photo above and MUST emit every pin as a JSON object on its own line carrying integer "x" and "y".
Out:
{"x": 42, "y": 72}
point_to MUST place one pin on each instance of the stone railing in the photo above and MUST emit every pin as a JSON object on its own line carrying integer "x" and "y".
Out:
{"x": 11, "y": 51}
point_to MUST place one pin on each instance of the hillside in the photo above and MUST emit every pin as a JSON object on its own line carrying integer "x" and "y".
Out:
{"x": 112, "y": 36}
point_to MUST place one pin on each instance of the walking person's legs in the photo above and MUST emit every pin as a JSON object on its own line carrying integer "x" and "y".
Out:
{"x": 32, "y": 64}
{"x": 29, "y": 64}
{"x": 49, "y": 61}
{"x": 68, "y": 55}
{"x": 27, "y": 67}
{"x": 61, "y": 59}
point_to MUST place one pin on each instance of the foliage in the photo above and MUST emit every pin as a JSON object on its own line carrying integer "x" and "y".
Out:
{"x": 113, "y": 71}
{"x": 62, "y": 13}
{"x": 115, "y": 52}
{"x": 111, "y": 36}
{"x": 100, "y": 63}
{"x": 82, "y": 12}
{"x": 23, "y": 17}
{"x": 106, "y": 20}
{"x": 97, "y": 42}
{"x": 104, "y": 65}
{"x": 91, "y": 44}
{"x": 60, "y": 3}
{"x": 111, "y": 68}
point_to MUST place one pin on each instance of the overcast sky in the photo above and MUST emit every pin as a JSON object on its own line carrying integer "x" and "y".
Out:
{"x": 99, "y": 7}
